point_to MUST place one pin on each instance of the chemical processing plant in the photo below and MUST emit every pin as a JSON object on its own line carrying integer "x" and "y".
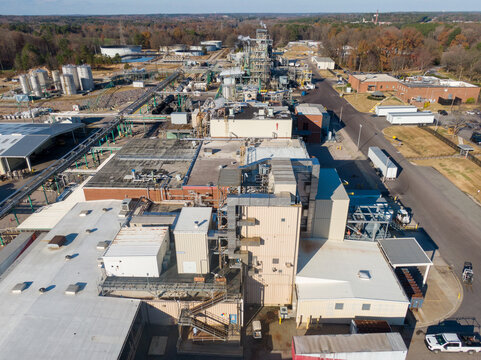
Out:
{"x": 213, "y": 203}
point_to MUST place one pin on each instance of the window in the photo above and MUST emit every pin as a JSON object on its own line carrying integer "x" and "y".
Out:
{"x": 275, "y": 261}
{"x": 366, "y": 307}
{"x": 283, "y": 220}
{"x": 339, "y": 306}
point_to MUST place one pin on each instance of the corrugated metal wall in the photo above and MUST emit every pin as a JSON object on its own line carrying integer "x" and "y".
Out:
{"x": 278, "y": 228}
{"x": 192, "y": 247}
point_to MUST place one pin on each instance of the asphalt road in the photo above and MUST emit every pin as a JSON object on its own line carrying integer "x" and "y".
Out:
{"x": 451, "y": 219}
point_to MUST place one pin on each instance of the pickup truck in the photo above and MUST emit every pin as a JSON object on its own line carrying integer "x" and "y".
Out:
{"x": 450, "y": 342}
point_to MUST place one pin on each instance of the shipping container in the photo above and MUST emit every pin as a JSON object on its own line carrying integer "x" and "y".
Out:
{"x": 179, "y": 118}
{"x": 384, "y": 110}
{"x": 425, "y": 117}
{"x": 382, "y": 162}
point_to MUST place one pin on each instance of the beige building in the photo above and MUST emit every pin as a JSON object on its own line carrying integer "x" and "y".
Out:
{"x": 252, "y": 122}
{"x": 339, "y": 281}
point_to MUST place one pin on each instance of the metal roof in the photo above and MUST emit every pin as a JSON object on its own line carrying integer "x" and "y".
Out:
{"x": 138, "y": 241}
{"x": 324, "y": 345}
{"x": 52, "y": 325}
{"x": 230, "y": 177}
{"x": 330, "y": 186}
{"x": 330, "y": 270}
{"x": 194, "y": 220}
{"x": 465, "y": 147}
{"x": 22, "y": 139}
{"x": 404, "y": 252}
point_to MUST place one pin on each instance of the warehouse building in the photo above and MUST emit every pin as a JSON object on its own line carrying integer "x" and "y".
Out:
{"x": 323, "y": 63}
{"x": 248, "y": 121}
{"x": 20, "y": 143}
{"x": 341, "y": 280}
{"x": 55, "y": 311}
{"x": 313, "y": 122}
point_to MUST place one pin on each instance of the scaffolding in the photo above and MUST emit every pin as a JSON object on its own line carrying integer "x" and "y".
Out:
{"x": 369, "y": 223}
{"x": 257, "y": 63}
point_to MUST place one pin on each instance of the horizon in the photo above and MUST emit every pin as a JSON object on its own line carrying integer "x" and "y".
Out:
{"x": 218, "y": 7}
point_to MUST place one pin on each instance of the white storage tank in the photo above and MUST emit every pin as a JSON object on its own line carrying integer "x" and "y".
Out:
{"x": 137, "y": 252}
{"x": 72, "y": 70}
{"x": 68, "y": 84}
{"x": 191, "y": 240}
{"x": 382, "y": 162}
{"x": 425, "y": 117}
{"x": 383, "y": 110}
{"x": 56, "y": 80}
{"x": 86, "y": 78}
{"x": 179, "y": 118}
{"x": 42, "y": 76}
{"x": 24, "y": 84}
{"x": 35, "y": 85}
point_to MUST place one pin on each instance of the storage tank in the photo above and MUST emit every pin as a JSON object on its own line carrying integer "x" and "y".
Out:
{"x": 382, "y": 162}
{"x": 35, "y": 85}
{"x": 68, "y": 84}
{"x": 85, "y": 77}
{"x": 425, "y": 117}
{"x": 24, "y": 84}
{"x": 72, "y": 70}
{"x": 42, "y": 76}
{"x": 56, "y": 80}
{"x": 227, "y": 92}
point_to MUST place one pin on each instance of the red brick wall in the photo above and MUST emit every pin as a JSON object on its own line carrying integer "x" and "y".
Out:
{"x": 407, "y": 93}
{"x": 363, "y": 86}
{"x": 314, "y": 125}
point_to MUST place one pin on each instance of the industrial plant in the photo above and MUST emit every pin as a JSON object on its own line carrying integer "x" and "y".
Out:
{"x": 204, "y": 201}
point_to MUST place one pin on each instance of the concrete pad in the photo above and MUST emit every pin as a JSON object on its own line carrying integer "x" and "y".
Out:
{"x": 158, "y": 344}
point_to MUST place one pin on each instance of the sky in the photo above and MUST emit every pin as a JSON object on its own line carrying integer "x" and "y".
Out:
{"x": 114, "y": 7}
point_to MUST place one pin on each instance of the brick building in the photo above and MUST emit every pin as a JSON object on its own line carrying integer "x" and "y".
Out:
{"x": 312, "y": 121}
{"x": 363, "y": 83}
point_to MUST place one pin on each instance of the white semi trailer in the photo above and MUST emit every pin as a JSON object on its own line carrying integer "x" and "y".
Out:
{"x": 425, "y": 117}
{"x": 384, "y": 110}
{"x": 382, "y": 162}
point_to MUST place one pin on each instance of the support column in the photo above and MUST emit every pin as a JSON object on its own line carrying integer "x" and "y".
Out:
{"x": 425, "y": 277}
{"x": 30, "y": 201}
{"x": 16, "y": 218}
{"x": 45, "y": 194}
{"x": 28, "y": 163}
{"x": 73, "y": 136}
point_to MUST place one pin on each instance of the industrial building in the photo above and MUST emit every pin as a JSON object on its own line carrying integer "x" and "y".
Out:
{"x": 323, "y": 63}
{"x": 55, "y": 311}
{"x": 248, "y": 121}
{"x": 313, "y": 122}
{"x": 22, "y": 141}
{"x": 373, "y": 82}
{"x": 340, "y": 280}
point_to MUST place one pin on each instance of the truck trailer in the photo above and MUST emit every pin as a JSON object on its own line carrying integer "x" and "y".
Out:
{"x": 418, "y": 118}
{"x": 382, "y": 162}
{"x": 384, "y": 110}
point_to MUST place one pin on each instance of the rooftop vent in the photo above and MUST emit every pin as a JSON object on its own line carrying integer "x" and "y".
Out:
{"x": 17, "y": 289}
{"x": 102, "y": 245}
{"x": 72, "y": 289}
{"x": 364, "y": 275}
{"x": 57, "y": 242}
{"x": 85, "y": 212}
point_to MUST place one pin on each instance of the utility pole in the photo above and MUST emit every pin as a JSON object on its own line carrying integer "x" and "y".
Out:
{"x": 359, "y": 137}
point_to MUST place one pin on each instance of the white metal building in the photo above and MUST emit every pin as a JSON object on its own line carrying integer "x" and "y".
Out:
{"x": 323, "y": 63}
{"x": 252, "y": 122}
{"x": 424, "y": 117}
{"x": 340, "y": 280}
{"x": 121, "y": 50}
{"x": 137, "y": 252}
{"x": 384, "y": 110}
{"x": 191, "y": 242}
{"x": 331, "y": 207}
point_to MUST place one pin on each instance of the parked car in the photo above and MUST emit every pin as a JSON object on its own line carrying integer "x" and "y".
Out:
{"x": 476, "y": 137}
{"x": 450, "y": 342}
{"x": 442, "y": 112}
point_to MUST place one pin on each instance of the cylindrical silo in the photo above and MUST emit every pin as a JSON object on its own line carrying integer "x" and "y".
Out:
{"x": 72, "y": 70}
{"x": 24, "y": 84}
{"x": 56, "y": 80}
{"x": 35, "y": 85}
{"x": 68, "y": 84}
{"x": 42, "y": 77}
{"x": 85, "y": 77}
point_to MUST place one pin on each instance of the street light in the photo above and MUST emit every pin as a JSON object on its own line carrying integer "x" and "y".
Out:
{"x": 359, "y": 137}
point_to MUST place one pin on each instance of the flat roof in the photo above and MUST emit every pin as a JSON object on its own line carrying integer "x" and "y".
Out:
{"x": 53, "y": 325}
{"x": 375, "y": 77}
{"x": 311, "y": 109}
{"x": 431, "y": 81}
{"x": 330, "y": 270}
{"x": 22, "y": 139}
{"x": 325, "y": 59}
{"x": 325, "y": 345}
{"x": 246, "y": 111}
{"x": 167, "y": 160}
{"x": 330, "y": 186}
{"x": 193, "y": 220}
{"x": 276, "y": 148}
{"x": 419, "y": 113}
{"x": 404, "y": 252}
{"x": 138, "y": 241}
